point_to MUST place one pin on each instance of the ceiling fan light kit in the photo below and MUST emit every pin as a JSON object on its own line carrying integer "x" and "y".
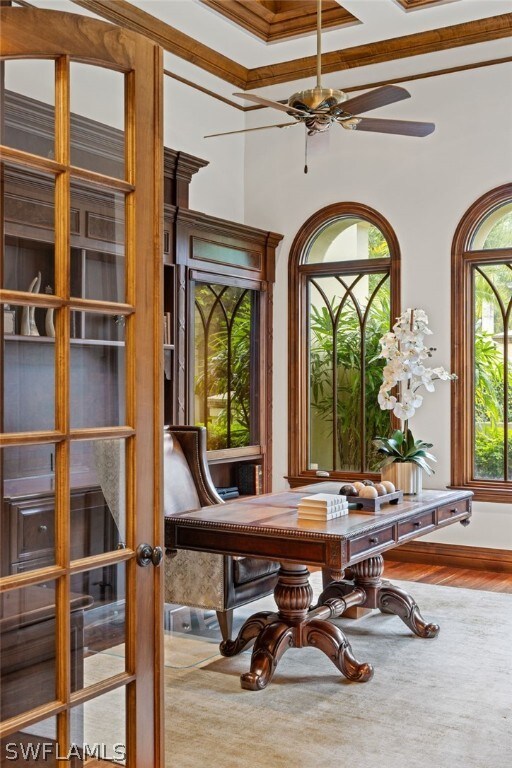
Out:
{"x": 318, "y": 108}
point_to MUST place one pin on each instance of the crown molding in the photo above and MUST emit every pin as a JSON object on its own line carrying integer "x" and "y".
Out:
{"x": 413, "y": 5}
{"x": 293, "y": 21}
{"x": 126, "y": 15}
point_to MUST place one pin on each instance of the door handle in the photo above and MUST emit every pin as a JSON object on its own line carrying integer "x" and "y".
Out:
{"x": 146, "y": 554}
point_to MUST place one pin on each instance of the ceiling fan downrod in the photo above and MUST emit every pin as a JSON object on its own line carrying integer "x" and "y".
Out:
{"x": 319, "y": 45}
{"x": 317, "y": 100}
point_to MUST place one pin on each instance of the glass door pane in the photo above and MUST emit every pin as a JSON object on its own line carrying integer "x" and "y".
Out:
{"x": 28, "y": 114}
{"x": 78, "y": 254}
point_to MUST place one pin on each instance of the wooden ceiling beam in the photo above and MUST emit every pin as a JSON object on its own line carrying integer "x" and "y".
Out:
{"x": 126, "y": 15}
{"x": 445, "y": 38}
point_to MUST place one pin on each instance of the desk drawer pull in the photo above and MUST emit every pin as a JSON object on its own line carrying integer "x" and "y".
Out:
{"x": 43, "y": 528}
{"x": 453, "y": 511}
{"x": 374, "y": 540}
{"x": 417, "y": 523}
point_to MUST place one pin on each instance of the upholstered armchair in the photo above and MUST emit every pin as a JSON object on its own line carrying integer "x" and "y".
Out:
{"x": 200, "y": 579}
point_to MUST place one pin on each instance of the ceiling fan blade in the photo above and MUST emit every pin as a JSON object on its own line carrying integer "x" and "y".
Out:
{"x": 399, "y": 127}
{"x": 247, "y": 130}
{"x": 379, "y": 97}
{"x": 268, "y": 103}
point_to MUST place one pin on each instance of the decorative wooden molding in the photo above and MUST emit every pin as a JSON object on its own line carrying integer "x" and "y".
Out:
{"x": 414, "y": 5}
{"x": 178, "y": 171}
{"x": 126, "y": 15}
{"x": 272, "y": 21}
{"x": 351, "y": 88}
{"x": 453, "y": 555}
{"x": 462, "y": 422}
{"x": 434, "y": 40}
{"x": 298, "y": 366}
{"x": 230, "y": 231}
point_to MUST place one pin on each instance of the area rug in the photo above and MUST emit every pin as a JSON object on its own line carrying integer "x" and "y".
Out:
{"x": 445, "y": 703}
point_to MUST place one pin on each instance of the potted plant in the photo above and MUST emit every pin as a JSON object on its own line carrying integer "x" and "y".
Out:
{"x": 405, "y": 374}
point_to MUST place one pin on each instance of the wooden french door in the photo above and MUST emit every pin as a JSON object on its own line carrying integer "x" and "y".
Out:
{"x": 80, "y": 373}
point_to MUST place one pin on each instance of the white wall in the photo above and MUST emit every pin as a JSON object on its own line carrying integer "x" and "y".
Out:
{"x": 423, "y": 187}
{"x": 189, "y": 114}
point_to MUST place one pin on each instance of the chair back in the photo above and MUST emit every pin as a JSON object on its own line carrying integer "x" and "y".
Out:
{"x": 187, "y": 480}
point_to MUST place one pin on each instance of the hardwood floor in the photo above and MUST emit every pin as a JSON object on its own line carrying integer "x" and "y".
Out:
{"x": 490, "y": 581}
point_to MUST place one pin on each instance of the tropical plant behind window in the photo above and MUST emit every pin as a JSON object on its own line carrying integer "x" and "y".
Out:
{"x": 223, "y": 364}
{"x": 492, "y": 387}
{"x": 344, "y": 345}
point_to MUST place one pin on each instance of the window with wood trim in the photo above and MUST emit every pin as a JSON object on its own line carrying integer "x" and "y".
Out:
{"x": 225, "y": 376}
{"x": 482, "y": 347}
{"x": 344, "y": 291}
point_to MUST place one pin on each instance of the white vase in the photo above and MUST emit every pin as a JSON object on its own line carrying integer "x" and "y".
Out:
{"x": 406, "y": 476}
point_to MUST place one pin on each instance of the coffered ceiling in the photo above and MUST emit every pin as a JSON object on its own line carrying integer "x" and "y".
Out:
{"x": 258, "y": 43}
{"x": 273, "y": 20}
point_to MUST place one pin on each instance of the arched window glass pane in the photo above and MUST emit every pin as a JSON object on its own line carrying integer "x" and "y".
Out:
{"x": 495, "y": 231}
{"x": 492, "y": 299}
{"x": 347, "y": 238}
{"x": 347, "y": 316}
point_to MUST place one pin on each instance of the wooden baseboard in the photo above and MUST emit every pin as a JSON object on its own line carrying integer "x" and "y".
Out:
{"x": 453, "y": 555}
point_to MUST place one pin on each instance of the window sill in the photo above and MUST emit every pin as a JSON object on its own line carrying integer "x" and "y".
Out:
{"x": 491, "y": 492}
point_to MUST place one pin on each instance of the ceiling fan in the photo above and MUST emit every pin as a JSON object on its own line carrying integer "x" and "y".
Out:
{"x": 318, "y": 108}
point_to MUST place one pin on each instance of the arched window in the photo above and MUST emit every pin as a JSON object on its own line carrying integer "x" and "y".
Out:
{"x": 344, "y": 290}
{"x": 482, "y": 348}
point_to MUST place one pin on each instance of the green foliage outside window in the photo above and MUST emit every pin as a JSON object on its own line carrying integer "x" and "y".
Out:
{"x": 223, "y": 364}
{"x": 491, "y": 281}
{"x": 348, "y": 385}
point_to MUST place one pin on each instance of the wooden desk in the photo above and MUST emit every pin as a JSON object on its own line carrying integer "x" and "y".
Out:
{"x": 349, "y": 548}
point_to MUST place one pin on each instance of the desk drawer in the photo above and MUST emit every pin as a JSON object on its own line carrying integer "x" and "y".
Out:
{"x": 33, "y": 528}
{"x": 416, "y": 524}
{"x": 449, "y": 511}
{"x": 370, "y": 541}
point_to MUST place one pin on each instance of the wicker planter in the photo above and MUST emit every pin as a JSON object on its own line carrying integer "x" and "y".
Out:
{"x": 405, "y": 476}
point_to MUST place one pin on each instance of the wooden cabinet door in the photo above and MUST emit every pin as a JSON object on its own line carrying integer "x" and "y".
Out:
{"x": 80, "y": 383}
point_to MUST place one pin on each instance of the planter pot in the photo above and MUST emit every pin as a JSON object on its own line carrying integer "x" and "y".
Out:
{"x": 406, "y": 476}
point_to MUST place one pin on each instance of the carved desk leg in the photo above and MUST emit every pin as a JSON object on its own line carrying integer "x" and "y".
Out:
{"x": 382, "y": 595}
{"x": 250, "y": 629}
{"x": 392, "y": 599}
{"x": 293, "y": 595}
{"x": 295, "y": 625}
{"x": 333, "y": 642}
{"x": 389, "y": 598}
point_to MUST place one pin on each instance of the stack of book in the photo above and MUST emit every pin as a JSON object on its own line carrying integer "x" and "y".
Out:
{"x": 322, "y": 506}
{"x": 250, "y": 479}
{"x": 228, "y": 493}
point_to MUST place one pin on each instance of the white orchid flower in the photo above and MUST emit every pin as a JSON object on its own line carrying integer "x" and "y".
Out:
{"x": 387, "y": 402}
{"x": 442, "y": 374}
{"x": 405, "y": 351}
{"x": 404, "y": 412}
{"x": 412, "y": 399}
